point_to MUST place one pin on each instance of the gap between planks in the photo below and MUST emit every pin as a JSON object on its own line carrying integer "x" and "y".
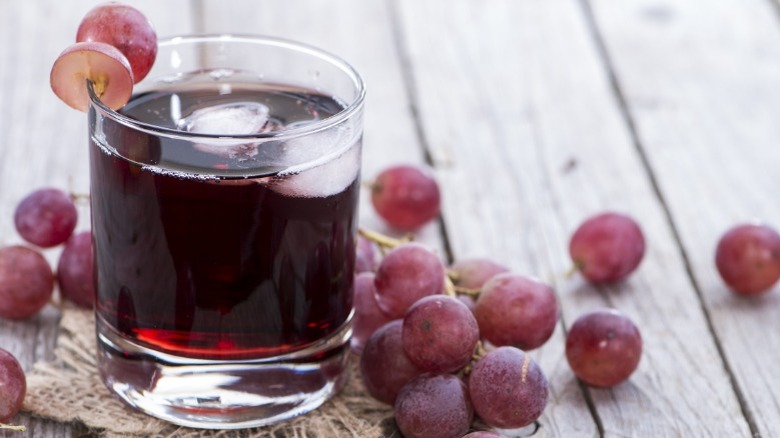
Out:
{"x": 408, "y": 79}
{"x": 635, "y": 140}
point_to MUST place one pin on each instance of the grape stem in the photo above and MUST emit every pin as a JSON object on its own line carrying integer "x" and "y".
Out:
{"x": 449, "y": 288}
{"x": 575, "y": 268}
{"x": 81, "y": 198}
{"x": 11, "y": 427}
{"x": 466, "y": 291}
{"x": 479, "y": 352}
{"x": 382, "y": 240}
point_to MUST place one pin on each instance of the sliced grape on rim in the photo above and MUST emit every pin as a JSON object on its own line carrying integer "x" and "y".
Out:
{"x": 102, "y": 64}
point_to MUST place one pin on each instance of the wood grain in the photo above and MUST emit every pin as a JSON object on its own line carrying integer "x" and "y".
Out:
{"x": 529, "y": 140}
{"x": 701, "y": 82}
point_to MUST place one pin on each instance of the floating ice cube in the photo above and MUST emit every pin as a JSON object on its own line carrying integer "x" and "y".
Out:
{"x": 325, "y": 178}
{"x": 235, "y": 118}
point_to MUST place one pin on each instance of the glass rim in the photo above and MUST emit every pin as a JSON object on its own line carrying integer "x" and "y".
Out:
{"x": 349, "y": 110}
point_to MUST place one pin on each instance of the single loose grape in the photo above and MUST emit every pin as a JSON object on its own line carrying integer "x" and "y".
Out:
{"x": 407, "y": 273}
{"x": 516, "y": 310}
{"x": 406, "y": 196}
{"x": 434, "y": 406}
{"x": 603, "y": 348}
{"x": 439, "y": 334}
{"x": 368, "y": 316}
{"x": 74, "y": 270}
{"x": 125, "y": 28}
{"x": 507, "y": 388}
{"x": 26, "y": 282}
{"x": 607, "y": 247}
{"x": 748, "y": 258}
{"x": 46, "y": 217}
{"x": 473, "y": 273}
{"x": 384, "y": 366}
{"x": 13, "y": 386}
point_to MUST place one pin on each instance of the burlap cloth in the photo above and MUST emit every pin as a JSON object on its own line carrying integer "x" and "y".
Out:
{"x": 70, "y": 390}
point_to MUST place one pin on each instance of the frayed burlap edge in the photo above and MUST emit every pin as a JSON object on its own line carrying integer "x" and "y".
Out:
{"x": 70, "y": 390}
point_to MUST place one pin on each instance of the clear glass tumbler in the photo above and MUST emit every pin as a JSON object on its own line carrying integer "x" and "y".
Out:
{"x": 224, "y": 211}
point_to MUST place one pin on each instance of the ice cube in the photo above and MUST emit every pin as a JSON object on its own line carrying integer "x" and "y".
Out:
{"x": 324, "y": 178}
{"x": 235, "y": 118}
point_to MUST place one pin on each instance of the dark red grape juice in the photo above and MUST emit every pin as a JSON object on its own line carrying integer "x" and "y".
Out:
{"x": 217, "y": 250}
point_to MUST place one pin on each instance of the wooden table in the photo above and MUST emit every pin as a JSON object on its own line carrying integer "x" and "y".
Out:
{"x": 534, "y": 114}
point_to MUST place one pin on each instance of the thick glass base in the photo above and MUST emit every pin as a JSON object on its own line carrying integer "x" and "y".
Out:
{"x": 222, "y": 394}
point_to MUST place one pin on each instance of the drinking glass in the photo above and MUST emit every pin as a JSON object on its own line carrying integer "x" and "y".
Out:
{"x": 224, "y": 200}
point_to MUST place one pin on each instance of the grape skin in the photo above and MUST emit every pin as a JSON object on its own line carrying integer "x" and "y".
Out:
{"x": 508, "y": 389}
{"x": 384, "y": 366}
{"x": 46, "y": 217}
{"x": 26, "y": 282}
{"x": 368, "y": 316}
{"x": 74, "y": 270}
{"x": 606, "y": 248}
{"x": 516, "y": 310}
{"x": 473, "y": 273}
{"x": 748, "y": 258}
{"x": 434, "y": 406}
{"x": 125, "y": 28}
{"x": 13, "y": 386}
{"x": 439, "y": 334}
{"x": 407, "y": 273}
{"x": 406, "y": 196}
{"x": 603, "y": 348}
{"x": 366, "y": 255}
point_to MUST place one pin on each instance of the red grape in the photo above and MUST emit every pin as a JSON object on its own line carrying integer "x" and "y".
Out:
{"x": 368, "y": 317}
{"x": 508, "y": 389}
{"x": 26, "y": 282}
{"x": 434, "y": 406}
{"x": 473, "y": 273}
{"x": 46, "y": 217}
{"x": 406, "y": 196}
{"x": 468, "y": 301}
{"x": 74, "y": 270}
{"x": 384, "y": 366}
{"x": 516, "y": 310}
{"x": 103, "y": 64}
{"x": 607, "y": 247}
{"x": 407, "y": 273}
{"x": 748, "y": 258}
{"x": 439, "y": 334}
{"x": 603, "y": 348}
{"x": 125, "y": 28}
{"x": 366, "y": 255}
{"x": 13, "y": 386}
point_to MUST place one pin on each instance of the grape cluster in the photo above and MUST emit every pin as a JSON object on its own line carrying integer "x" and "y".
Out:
{"x": 422, "y": 345}
{"x": 45, "y": 218}
{"x": 115, "y": 47}
{"x": 445, "y": 344}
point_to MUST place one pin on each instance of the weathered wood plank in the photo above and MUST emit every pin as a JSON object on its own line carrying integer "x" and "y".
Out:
{"x": 700, "y": 80}
{"x": 529, "y": 140}
{"x": 44, "y": 143}
{"x": 360, "y": 33}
